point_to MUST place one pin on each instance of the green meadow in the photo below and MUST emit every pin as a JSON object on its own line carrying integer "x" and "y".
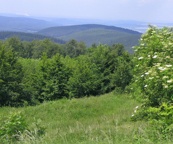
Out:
{"x": 105, "y": 119}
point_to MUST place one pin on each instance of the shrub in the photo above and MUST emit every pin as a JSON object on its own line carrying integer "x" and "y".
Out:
{"x": 153, "y": 74}
{"x": 154, "y": 65}
{"x": 12, "y": 127}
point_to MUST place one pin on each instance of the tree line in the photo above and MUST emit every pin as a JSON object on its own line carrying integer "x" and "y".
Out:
{"x": 41, "y": 70}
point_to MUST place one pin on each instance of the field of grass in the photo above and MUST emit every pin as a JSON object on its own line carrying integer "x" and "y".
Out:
{"x": 93, "y": 120}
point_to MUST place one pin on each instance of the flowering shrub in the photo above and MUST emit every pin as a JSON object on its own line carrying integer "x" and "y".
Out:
{"x": 154, "y": 66}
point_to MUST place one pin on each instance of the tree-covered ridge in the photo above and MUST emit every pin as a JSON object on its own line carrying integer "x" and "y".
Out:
{"x": 66, "y": 30}
{"x": 99, "y": 34}
{"x": 27, "y": 36}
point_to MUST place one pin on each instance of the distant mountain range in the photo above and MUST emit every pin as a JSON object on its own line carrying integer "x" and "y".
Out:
{"x": 13, "y": 22}
{"x": 22, "y": 24}
{"x": 62, "y": 29}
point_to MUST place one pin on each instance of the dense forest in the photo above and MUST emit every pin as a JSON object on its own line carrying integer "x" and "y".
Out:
{"x": 27, "y": 36}
{"x": 94, "y": 33}
{"x": 37, "y": 71}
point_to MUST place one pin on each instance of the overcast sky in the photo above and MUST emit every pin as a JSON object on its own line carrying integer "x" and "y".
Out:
{"x": 142, "y": 10}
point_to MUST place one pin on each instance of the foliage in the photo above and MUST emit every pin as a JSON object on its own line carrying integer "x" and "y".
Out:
{"x": 153, "y": 59}
{"x": 36, "y": 48}
{"x": 160, "y": 119}
{"x": 51, "y": 81}
{"x": 49, "y": 71}
{"x": 100, "y": 71}
{"x": 15, "y": 129}
{"x": 10, "y": 78}
{"x": 74, "y": 48}
{"x": 27, "y": 36}
{"x": 153, "y": 69}
{"x": 31, "y": 74}
{"x": 113, "y": 67}
{"x": 84, "y": 79}
{"x": 44, "y": 46}
{"x": 12, "y": 127}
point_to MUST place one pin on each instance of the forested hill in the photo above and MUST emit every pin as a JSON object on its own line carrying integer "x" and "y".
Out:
{"x": 66, "y": 30}
{"x": 27, "y": 36}
{"x": 93, "y": 33}
{"x": 22, "y": 24}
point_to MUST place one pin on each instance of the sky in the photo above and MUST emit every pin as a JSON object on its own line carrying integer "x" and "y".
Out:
{"x": 139, "y": 10}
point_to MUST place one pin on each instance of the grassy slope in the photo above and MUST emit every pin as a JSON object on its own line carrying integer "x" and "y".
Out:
{"x": 94, "y": 120}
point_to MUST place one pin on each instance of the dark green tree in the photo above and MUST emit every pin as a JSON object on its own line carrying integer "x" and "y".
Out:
{"x": 114, "y": 67}
{"x": 10, "y": 78}
{"x": 51, "y": 82}
{"x": 74, "y": 48}
{"x": 84, "y": 81}
{"x": 16, "y": 44}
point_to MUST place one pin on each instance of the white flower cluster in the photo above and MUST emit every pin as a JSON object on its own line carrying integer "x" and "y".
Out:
{"x": 140, "y": 58}
{"x": 135, "y": 110}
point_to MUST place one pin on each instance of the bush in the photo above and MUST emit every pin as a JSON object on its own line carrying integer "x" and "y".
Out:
{"x": 12, "y": 127}
{"x": 153, "y": 75}
{"x": 154, "y": 65}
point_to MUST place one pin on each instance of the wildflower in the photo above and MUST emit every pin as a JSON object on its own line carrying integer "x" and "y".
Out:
{"x": 140, "y": 58}
{"x": 162, "y": 68}
{"x": 151, "y": 78}
{"x": 169, "y": 65}
{"x": 145, "y": 86}
{"x": 170, "y": 43}
{"x": 132, "y": 115}
{"x": 166, "y": 86}
{"x": 169, "y": 81}
{"x": 158, "y": 64}
{"x": 165, "y": 77}
{"x": 155, "y": 56}
{"x": 147, "y": 73}
{"x": 142, "y": 75}
{"x": 136, "y": 107}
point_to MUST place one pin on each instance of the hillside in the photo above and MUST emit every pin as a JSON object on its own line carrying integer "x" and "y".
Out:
{"x": 22, "y": 24}
{"x": 104, "y": 119}
{"x": 92, "y": 33}
{"x": 94, "y": 120}
{"x": 27, "y": 36}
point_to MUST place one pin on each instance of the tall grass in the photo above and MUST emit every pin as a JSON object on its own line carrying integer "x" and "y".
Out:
{"x": 93, "y": 120}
